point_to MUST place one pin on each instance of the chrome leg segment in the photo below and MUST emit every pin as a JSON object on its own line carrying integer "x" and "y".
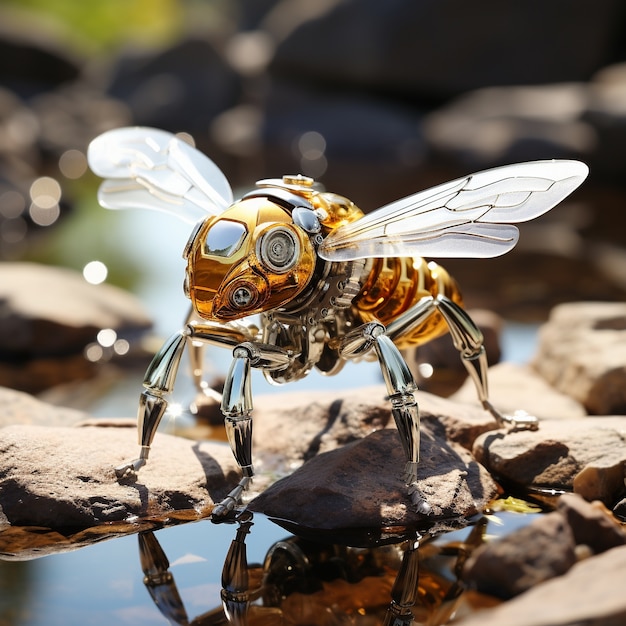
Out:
{"x": 400, "y": 386}
{"x": 237, "y": 409}
{"x": 468, "y": 340}
{"x": 158, "y": 381}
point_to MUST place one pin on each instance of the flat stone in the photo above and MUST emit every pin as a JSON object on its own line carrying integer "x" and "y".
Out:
{"x": 584, "y": 455}
{"x": 360, "y": 485}
{"x": 64, "y": 477}
{"x": 514, "y": 387}
{"x": 581, "y": 353}
{"x": 590, "y": 593}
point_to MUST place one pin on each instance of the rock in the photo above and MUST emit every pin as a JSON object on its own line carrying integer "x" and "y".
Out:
{"x": 22, "y": 408}
{"x": 590, "y": 593}
{"x": 181, "y": 87}
{"x": 360, "y": 485}
{"x": 399, "y": 49}
{"x": 523, "y": 559}
{"x": 495, "y": 125}
{"x": 291, "y": 428}
{"x": 581, "y": 353}
{"x": 514, "y": 387}
{"x": 591, "y": 523}
{"x": 584, "y": 455}
{"x": 64, "y": 478}
{"x": 548, "y": 547}
{"x": 49, "y": 315}
{"x": 32, "y": 57}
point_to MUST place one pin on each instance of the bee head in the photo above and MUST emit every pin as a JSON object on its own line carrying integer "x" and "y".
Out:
{"x": 256, "y": 256}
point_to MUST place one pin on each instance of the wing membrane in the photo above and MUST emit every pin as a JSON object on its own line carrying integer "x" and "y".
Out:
{"x": 467, "y": 217}
{"x": 148, "y": 168}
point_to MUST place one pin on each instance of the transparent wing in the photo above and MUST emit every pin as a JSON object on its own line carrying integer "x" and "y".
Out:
{"x": 468, "y": 217}
{"x": 146, "y": 168}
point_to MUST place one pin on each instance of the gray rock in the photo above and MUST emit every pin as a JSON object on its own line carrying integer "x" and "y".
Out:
{"x": 360, "y": 485}
{"x": 399, "y": 49}
{"x": 590, "y": 593}
{"x": 64, "y": 478}
{"x": 49, "y": 315}
{"x": 529, "y": 556}
{"x": 548, "y": 547}
{"x": 582, "y": 353}
{"x": 291, "y": 428}
{"x": 584, "y": 455}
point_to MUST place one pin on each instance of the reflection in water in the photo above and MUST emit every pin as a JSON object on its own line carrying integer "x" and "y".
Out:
{"x": 305, "y": 582}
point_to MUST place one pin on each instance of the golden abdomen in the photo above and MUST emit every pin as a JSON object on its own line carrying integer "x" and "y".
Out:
{"x": 394, "y": 285}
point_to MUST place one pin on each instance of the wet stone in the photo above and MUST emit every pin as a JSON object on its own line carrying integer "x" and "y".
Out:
{"x": 590, "y": 593}
{"x": 64, "y": 477}
{"x": 548, "y": 547}
{"x": 584, "y": 455}
{"x": 360, "y": 484}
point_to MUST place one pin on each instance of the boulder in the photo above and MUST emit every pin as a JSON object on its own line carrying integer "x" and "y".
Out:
{"x": 590, "y": 593}
{"x": 584, "y": 455}
{"x": 581, "y": 353}
{"x": 548, "y": 547}
{"x": 514, "y": 387}
{"x": 49, "y": 315}
{"x": 64, "y": 477}
{"x": 360, "y": 485}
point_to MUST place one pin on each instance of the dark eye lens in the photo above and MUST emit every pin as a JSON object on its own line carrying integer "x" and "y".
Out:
{"x": 279, "y": 249}
{"x": 243, "y": 295}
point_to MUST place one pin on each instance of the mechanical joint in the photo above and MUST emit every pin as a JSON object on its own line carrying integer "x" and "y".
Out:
{"x": 360, "y": 340}
{"x": 264, "y": 356}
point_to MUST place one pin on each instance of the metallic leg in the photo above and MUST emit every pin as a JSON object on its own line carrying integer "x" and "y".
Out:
{"x": 468, "y": 340}
{"x": 404, "y": 592}
{"x": 235, "y": 586}
{"x": 159, "y": 580}
{"x": 400, "y": 386}
{"x": 237, "y": 409}
{"x": 159, "y": 380}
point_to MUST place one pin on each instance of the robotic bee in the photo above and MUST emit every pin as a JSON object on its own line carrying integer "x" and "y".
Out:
{"x": 327, "y": 282}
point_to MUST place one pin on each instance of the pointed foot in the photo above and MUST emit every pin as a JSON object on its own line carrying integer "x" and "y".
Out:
{"x": 129, "y": 470}
{"x": 418, "y": 500}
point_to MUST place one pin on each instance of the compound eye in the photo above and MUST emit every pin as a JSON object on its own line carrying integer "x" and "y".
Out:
{"x": 278, "y": 249}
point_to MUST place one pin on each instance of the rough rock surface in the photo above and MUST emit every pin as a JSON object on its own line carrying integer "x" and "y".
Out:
{"x": 48, "y": 315}
{"x": 293, "y": 427}
{"x": 360, "y": 484}
{"x": 64, "y": 478}
{"x": 548, "y": 547}
{"x": 590, "y": 593}
{"x": 515, "y": 387}
{"x": 582, "y": 352}
{"x": 586, "y": 455}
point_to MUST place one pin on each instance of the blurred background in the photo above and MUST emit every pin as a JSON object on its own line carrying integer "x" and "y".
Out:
{"x": 375, "y": 100}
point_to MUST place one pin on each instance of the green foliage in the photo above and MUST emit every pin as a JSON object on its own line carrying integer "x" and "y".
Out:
{"x": 104, "y": 24}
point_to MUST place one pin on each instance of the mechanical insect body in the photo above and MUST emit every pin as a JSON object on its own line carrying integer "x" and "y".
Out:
{"x": 327, "y": 283}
